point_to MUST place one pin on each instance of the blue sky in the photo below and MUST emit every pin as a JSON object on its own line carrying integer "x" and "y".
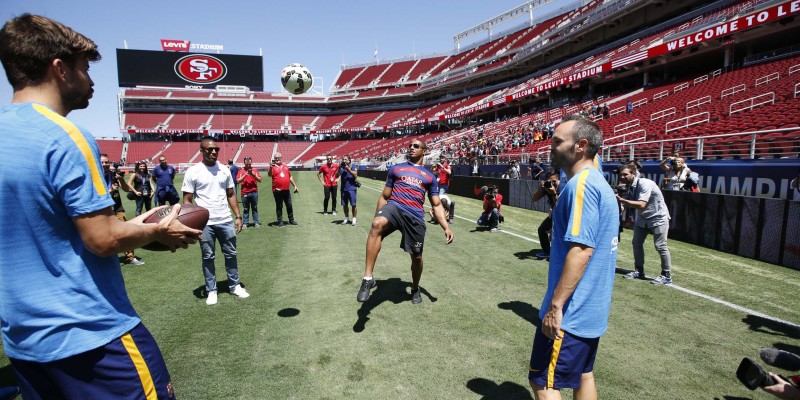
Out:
{"x": 319, "y": 34}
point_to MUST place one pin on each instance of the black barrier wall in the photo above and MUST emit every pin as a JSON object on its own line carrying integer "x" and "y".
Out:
{"x": 758, "y": 228}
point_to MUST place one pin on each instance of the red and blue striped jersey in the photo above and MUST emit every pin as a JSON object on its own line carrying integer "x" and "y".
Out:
{"x": 409, "y": 182}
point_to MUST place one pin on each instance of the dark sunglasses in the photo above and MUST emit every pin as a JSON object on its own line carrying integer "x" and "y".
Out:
{"x": 414, "y": 146}
{"x": 211, "y": 149}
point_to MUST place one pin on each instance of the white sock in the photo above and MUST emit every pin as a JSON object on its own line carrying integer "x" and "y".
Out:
{"x": 354, "y": 220}
{"x": 367, "y": 278}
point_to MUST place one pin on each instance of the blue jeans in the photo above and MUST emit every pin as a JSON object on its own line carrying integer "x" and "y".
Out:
{"x": 442, "y": 189}
{"x": 250, "y": 201}
{"x": 226, "y": 234}
{"x": 490, "y": 220}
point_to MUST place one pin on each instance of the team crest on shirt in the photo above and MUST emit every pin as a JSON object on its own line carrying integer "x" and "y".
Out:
{"x": 614, "y": 244}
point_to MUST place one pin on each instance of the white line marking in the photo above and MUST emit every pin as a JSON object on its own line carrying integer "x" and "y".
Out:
{"x": 676, "y": 287}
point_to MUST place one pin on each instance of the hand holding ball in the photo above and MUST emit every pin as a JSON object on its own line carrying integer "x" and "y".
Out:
{"x": 190, "y": 215}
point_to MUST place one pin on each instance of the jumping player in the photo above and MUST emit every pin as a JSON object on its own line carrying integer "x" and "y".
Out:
{"x": 400, "y": 207}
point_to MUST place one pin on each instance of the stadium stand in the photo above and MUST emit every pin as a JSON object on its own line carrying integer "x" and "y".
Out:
{"x": 111, "y": 147}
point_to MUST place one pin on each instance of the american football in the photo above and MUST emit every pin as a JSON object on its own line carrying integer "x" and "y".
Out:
{"x": 190, "y": 215}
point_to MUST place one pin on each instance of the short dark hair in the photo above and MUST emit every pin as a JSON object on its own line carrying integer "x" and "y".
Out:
{"x": 630, "y": 167}
{"x": 29, "y": 43}
{"x": 585, "y": 128}
{"x": 206, "y": 139}
{"x": 551, "y": 172}
{"x": 248, "y": 158}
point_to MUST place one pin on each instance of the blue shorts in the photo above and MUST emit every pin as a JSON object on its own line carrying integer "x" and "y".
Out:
{"x": 349, "y": 197}
{"x": 442, "y": 189}
{"x": 130, "y": 367}
{"x": 559, "y": 364}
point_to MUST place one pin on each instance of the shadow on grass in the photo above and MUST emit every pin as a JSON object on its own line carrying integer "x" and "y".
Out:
{"x": 481, "y": 229}
{"x": 732, "y": 398}
{"x": 7, "y": 376}
{"x": 787, "y": 347}
{"x": 222, "y": 287}
{"x": 530, "y": 255}
{"x": 506, "y": 390}
{"x": 288, "y": 312}
{"x": 523, "y": 310}
{"x": 768, "y": 326}
{"x": 392, "y": 289}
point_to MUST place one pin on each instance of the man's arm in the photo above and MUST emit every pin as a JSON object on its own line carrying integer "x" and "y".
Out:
{"x": 663, "y": 164}
{"x": 291, "y": 180}
{"x": 631, "y": 203}
{"x": 105, "y": 235}
{"x": 384, "y": 197}
{"x": 319, "y": 177}
{"x": 234, "y": 205}
{"x": 574, "y": 266}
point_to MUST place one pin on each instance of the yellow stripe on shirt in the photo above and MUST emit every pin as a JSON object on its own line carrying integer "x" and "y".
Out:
{"x": 80, "y": 141}
{"x": 578, "y": 206}
{"x": 141, "y": 367}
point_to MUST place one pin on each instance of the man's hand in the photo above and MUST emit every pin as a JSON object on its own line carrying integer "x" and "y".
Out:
{"x": 238, "y": 224}
{"x": 448, "y": 234}
{"x": 174, "y": 234}
{"x": 551, "y": 323}
{"x": 782, "y": 389}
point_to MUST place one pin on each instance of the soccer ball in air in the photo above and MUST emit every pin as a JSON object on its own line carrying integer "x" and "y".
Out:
{"x": 296, "y": 79}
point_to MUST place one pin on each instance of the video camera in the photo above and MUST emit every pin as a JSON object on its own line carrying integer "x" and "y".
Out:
{"x": 115, "y": 169}
{"x": 488, "y": 192}
{"x": 753, "y": 376}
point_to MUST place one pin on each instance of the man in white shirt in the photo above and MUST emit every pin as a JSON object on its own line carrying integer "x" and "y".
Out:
{"x": 210, "y": 184}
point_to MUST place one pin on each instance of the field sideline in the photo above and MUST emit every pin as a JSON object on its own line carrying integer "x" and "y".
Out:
{"x": 302, "y": 335}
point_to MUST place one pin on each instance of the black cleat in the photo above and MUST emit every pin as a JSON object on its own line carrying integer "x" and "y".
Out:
{"x": 366, "y": 286}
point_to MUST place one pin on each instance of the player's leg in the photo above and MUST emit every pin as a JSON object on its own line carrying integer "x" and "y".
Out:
{"x": 327, "y": 191}
{"x": 588, "y": 388}
{"x": 379, "y": 228}
{"x": 278, "y": 205}
{"x": 246, "y": 209}
{"x": 254, "y": 208}
{"x": 639, "y": 235}
{"x": 346, "y": 209}
{"x": 416, "y": 275}
{"x": 353, "y": 204}
{"x": 333, "y": 199}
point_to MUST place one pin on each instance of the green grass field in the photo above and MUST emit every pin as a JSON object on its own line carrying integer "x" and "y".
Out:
{"x": 302, "y": 335}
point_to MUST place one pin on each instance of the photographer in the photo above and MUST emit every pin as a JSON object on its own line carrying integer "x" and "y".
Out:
{"x": 492, "y": 201}
{"x": 513, "y": 168}
{"x": 652, "y": 216}
{"x": 350, "y": 185}
{"x": 142, "y": 185}
{"x": 249, "y": 178}
{"x": 114, "y": 180}
{"x": 677, "y": 172}
{"x": 547, "y": 188}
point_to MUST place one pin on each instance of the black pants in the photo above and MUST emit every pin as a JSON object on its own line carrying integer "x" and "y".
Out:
{"x": 330, "y": 191}
{"x": 283, "y": 196}
{"x": 544, "y": 239}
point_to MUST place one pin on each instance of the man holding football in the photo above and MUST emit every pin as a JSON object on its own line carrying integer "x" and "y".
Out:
{"x": 62, "y": 300}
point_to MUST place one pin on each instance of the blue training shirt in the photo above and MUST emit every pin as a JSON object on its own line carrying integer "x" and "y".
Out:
{"x": 57, "y": 299}
{"x": 409, "y": 182}
{"x": 586, "y": 213}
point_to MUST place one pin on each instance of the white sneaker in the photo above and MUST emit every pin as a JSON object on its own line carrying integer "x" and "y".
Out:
{"x": 212, "y": 298}
{"x": 354, "y": 222}
{"x": 334, "y": 213}
{"x": 239, "y": 291}
{"x": 345, "y": 222}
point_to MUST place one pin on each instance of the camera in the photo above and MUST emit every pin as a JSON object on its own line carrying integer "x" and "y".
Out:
{"x": 116, "y": 171}
{"x": 621, "y": 188}
{"x": 548, "y": 184}
{"x": 752, "y": 375}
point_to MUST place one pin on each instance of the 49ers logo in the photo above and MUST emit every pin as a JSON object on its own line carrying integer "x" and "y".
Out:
{"x": 200, "y": 69}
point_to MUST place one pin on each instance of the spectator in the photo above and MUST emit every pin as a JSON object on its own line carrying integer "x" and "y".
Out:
{"x": 349, "y": 177}
{"x": 605, "y": 111}
{"x": 234, "y": 173}
{"x": 281, "y": 178}
{"x": 535, "y": 168}
{"x": 63, "y": 301}
{"x": 249, "y": 178}
{"x": 676, "y": 172}
{"x": 574, "y": 311}
{"x": 547, "y": 188}
{"x": 444, "y": 171}
{"x": 629, "y": 107}
{"x": 652, "y": 216}
{"x": 210, "y": 184}
{"x": 142, "y": 185}
{"x": 327, "y": 176}
{"x": 114, "y": 181}
{"x": 165, "y": 187}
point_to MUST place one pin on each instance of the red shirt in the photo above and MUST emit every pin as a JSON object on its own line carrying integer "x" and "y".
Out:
{"x": 280, "y": 177}
{"x": 488, "y": 206}
{"x": 444, "y": 177}
{"x": 249, "y": 184}
{"x": 328, "y": 174}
